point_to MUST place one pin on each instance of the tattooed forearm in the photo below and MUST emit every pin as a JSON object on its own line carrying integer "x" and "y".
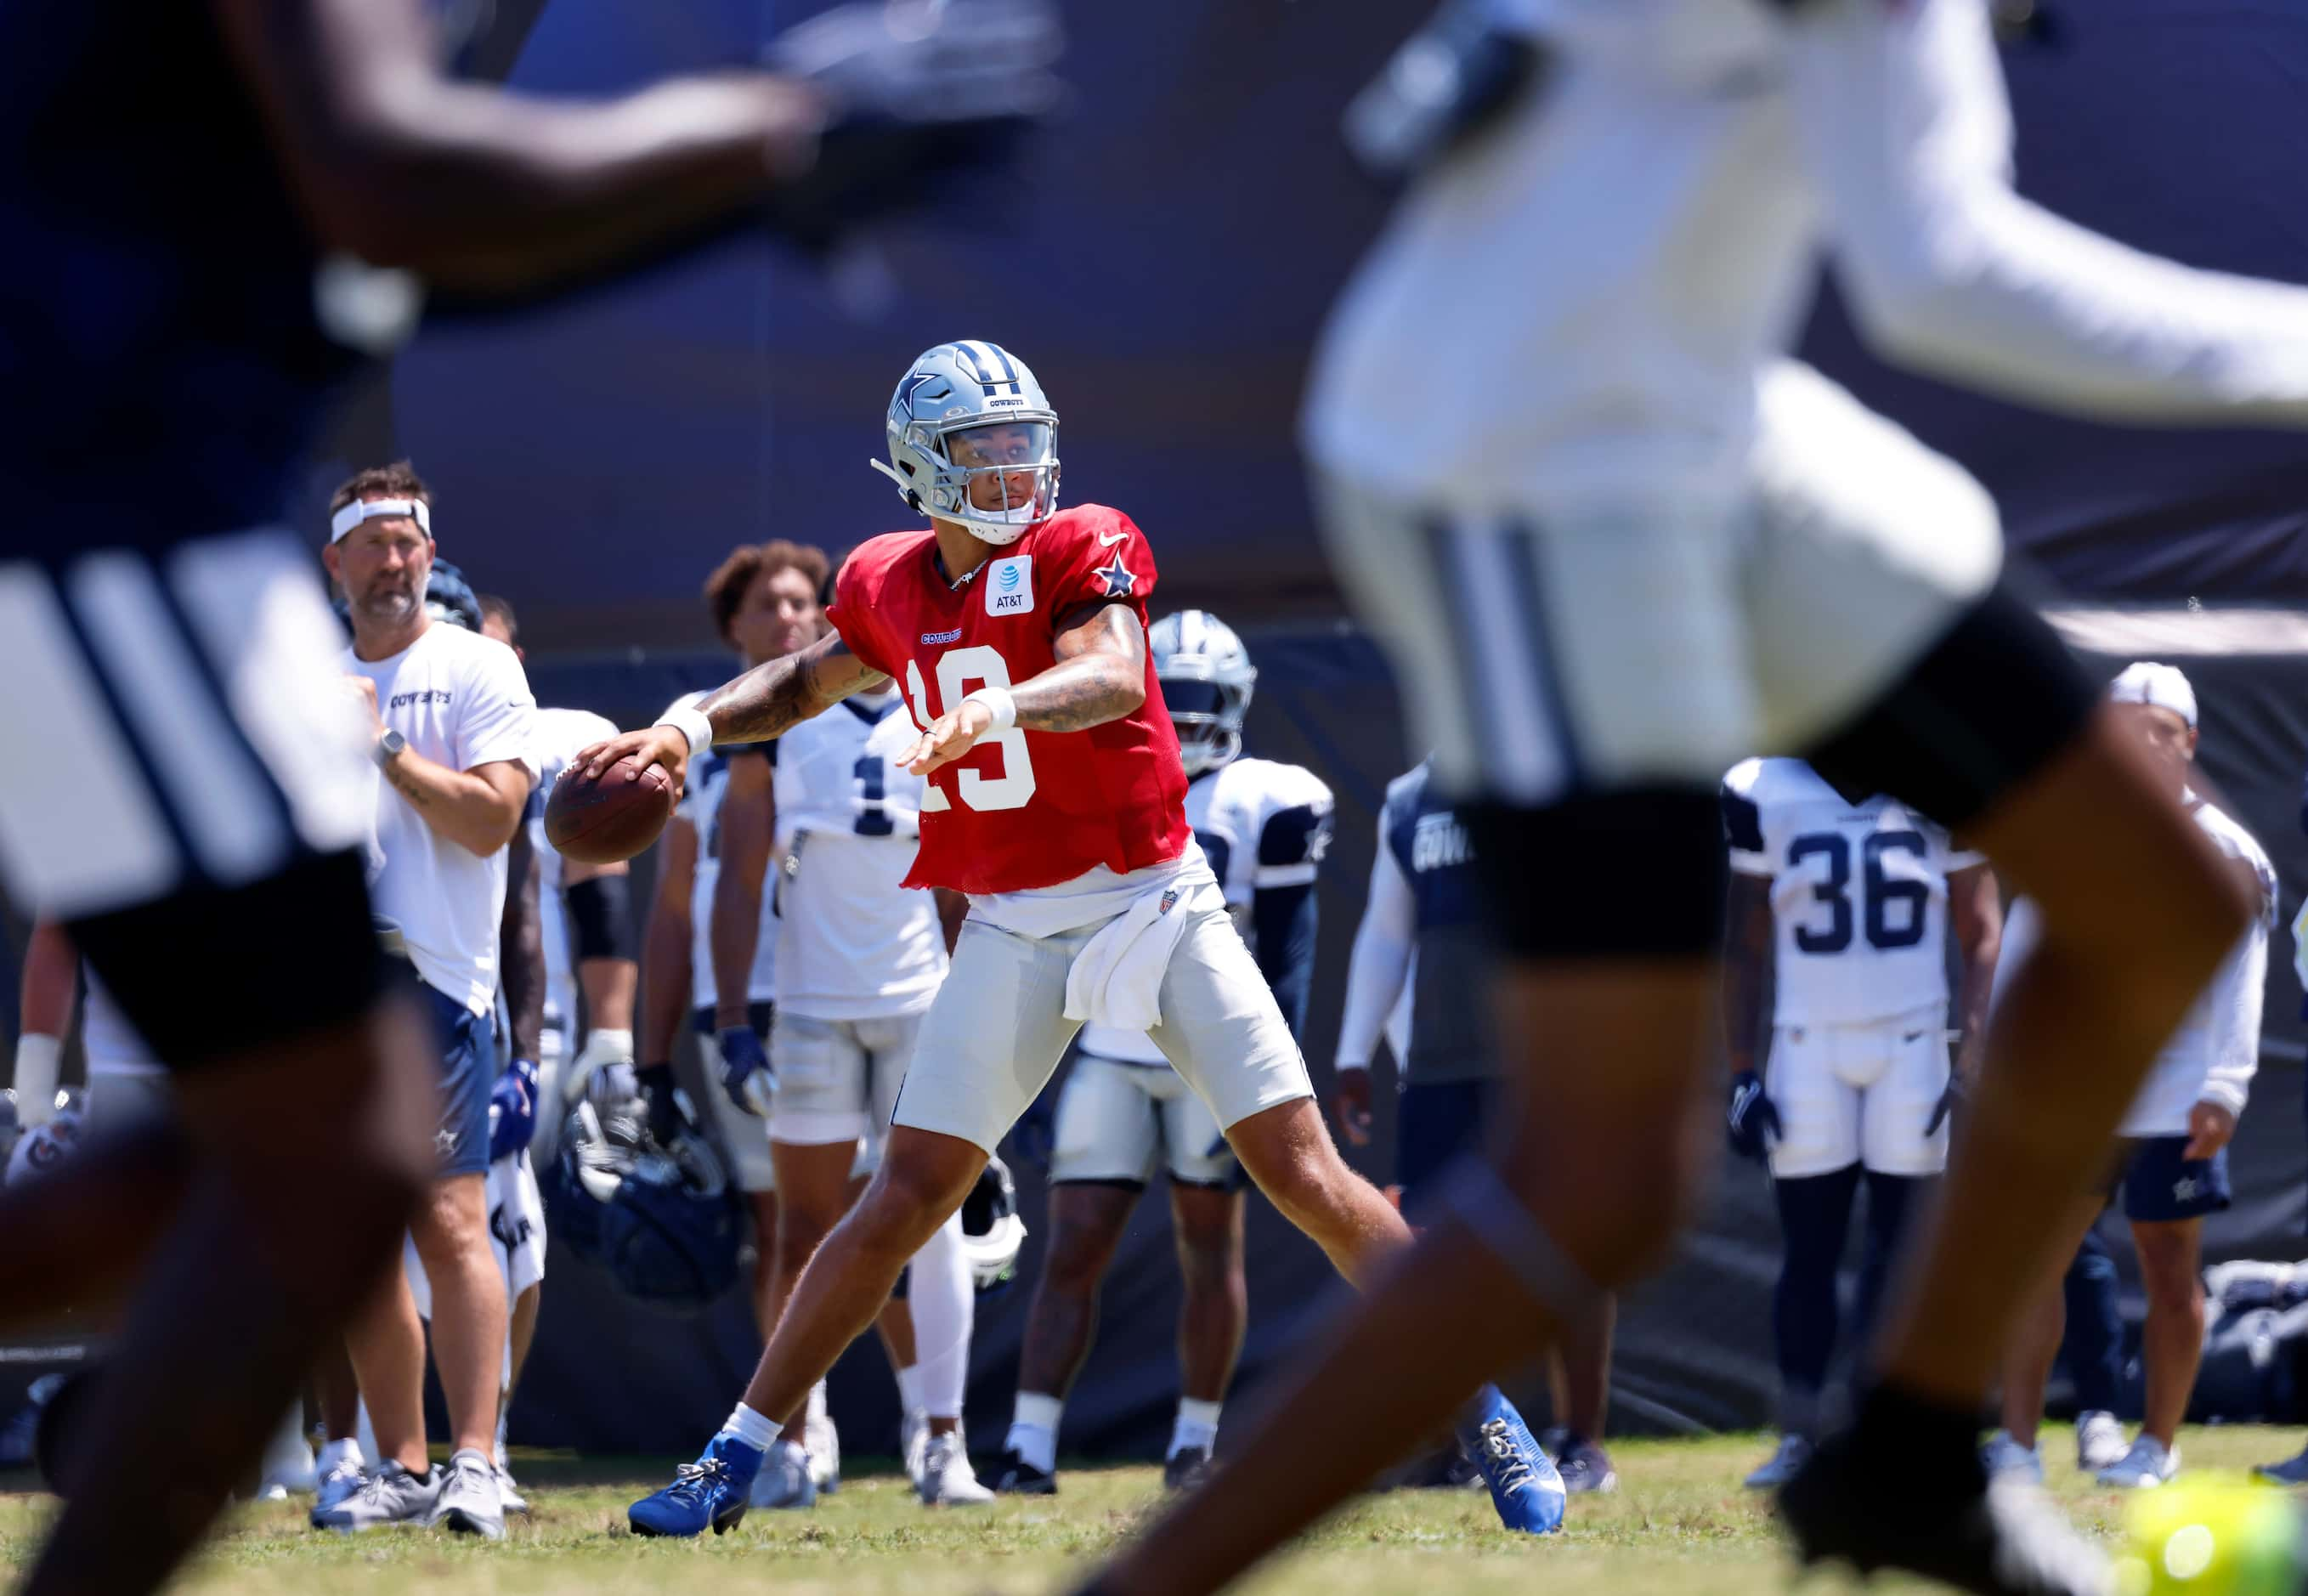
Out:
{"x": 405, "y": 782}
{"x": 770, "y": 700}
{"x": 1100, "y": 674}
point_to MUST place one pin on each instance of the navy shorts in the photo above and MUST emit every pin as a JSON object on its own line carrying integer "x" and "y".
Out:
{"x": 2157, "y": 1184}
{"x": 467, "y": 1054}
{"x": 1436, "y": 1123}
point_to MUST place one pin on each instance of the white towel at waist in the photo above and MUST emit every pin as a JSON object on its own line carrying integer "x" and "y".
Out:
{"x": 1117, "y": 979}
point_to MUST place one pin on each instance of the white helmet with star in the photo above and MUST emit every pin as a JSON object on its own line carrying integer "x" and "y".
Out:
{"x": 973, "y": 440}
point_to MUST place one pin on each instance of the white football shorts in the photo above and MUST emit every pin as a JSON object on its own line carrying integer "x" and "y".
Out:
{"x": 1121, "y": 1122}
{"x": 1859, "y": 1094}
{"x": 994, "y": 1037}
{"x": 1634, "y": 634}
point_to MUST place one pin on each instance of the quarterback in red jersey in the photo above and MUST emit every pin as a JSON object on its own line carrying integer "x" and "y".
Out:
{"x": 1056, "y": 802}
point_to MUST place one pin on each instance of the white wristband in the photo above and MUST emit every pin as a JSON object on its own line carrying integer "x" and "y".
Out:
{"x": 690, "y": 721}
{"x": 36, "y": 1057}
{"x": 998, "y": 704}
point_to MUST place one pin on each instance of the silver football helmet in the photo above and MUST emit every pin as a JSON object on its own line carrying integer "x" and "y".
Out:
{"x": 969, "y": 411}
{"x": 1207, "y": 679}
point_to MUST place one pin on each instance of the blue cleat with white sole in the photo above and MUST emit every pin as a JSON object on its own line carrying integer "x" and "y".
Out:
{"x": 713, "y": 1492}
{"x": 1525, "y": 1487}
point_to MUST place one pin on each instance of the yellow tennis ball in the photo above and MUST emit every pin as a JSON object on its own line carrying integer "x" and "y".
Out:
{"x": 2211, "y": 1537}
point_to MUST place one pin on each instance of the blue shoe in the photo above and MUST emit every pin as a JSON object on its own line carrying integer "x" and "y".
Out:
{"x": 714, "y": 1490}
{"x": 1524, "y": 1486}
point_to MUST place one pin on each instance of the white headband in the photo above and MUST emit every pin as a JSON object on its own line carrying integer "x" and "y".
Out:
{"x": 2162, "y": 686}
{"x": 361, "y": 510}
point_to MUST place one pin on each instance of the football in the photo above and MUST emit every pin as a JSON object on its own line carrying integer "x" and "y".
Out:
{"x": 601, "y": 820}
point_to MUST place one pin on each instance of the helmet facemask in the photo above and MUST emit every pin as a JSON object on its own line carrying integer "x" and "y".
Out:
{"x": 1206, "y": 713}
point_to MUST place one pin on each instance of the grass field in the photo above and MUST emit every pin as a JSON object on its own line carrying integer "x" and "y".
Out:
{"x": 1679, "y": 1525}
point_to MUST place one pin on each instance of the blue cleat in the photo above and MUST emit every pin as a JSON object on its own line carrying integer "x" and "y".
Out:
{"x": 1525, "y": 1487}
{"x": 714, "y": 1490}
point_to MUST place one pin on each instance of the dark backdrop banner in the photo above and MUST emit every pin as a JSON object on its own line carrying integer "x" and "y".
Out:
{"x": 1693, "y": 1347}
{"x": 1164, "y": 265}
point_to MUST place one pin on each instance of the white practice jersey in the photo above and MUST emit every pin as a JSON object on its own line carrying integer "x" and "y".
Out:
{"x": 700, "y": 807}
{"x": 2215, "y": 1053}
{"x": 1584, "y": 299}
{"x": 560, "y": 733}
{"x": 854, "y": 943}
{"x": 1860, "y": 893}
{"x": 1262, "y": 824}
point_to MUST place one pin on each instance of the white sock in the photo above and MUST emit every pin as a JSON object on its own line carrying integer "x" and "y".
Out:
{"x": 346, "y": 1450}
{"x": 365, "y": 1433}
{"x": 1197, "y": 1425}
{"x": 500, "y": 1450}
{"x": 816, "y": 1412}
{"x": 1034, "y": 1430}
{"x": 943, "y": 1304}
{"x": 909, "y": 1389}
{"x": 750, "y": 1428}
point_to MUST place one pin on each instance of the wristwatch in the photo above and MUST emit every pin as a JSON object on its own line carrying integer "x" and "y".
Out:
{"x": 389, "y": 745}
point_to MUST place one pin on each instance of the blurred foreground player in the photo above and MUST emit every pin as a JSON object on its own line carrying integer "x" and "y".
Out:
{"x": 1616, "y": 544}
{"x": 177, "y": 175}
{"x": 1056, "y": 804}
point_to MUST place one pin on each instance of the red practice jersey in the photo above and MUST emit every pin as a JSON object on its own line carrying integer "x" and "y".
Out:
{"x": 1023, "y": 808}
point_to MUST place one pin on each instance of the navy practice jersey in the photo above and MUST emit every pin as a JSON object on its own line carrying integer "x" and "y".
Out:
{"x": 158, "y": 327}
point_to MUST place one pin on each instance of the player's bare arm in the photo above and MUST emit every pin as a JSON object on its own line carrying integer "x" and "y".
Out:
{"x": 765, "y": 703}
{"x": 1100, "y": 676}
{"x": 1975, "y": 914}
{"x": 479, "y": 809}
{"x": 1746, "y": 968}
{"x": 664, "y": 946}
{"x": 479, "y": 189}
{"x": 521, "y": 939}
{"x": 748, "y": 825}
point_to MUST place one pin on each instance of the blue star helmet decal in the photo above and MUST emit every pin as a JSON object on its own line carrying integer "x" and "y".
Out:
{"x": 1119, "y": 579}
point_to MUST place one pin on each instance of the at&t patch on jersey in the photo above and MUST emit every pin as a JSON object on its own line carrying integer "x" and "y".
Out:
{"x": 1010, "y": 585}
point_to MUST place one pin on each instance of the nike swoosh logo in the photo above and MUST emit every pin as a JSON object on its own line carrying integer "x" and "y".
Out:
{"x": 1106, "y": 542}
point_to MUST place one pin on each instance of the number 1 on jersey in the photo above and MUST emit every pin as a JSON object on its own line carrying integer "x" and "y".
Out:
{"x": 956, "y": 668}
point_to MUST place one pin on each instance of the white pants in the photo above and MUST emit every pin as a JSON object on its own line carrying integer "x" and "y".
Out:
{"x": 1120, "y": 1122}
{"x": 992, "y": 1038}
{"x": 838, "y": 1079}
{"x": 1631, "y": 635}
{"x": 1859, "y": 1094}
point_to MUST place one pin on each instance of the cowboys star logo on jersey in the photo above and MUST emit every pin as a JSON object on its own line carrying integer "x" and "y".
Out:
{"x": 1119, "y": 578}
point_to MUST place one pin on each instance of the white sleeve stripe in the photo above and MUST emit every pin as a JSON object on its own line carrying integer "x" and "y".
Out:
{"x": 1284, "y": 875}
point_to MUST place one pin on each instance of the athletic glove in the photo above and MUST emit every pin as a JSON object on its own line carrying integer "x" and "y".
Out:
{"x": 918, "y": 92}
{"x": 665, "y": 1120}
{"x": 746, "y": 1074}
{"x": 513, "y": 1109}
{"x": 1957, "y": 1094}
{"x": 1753, "y": 1120}
{"x": 1451, "y": 80}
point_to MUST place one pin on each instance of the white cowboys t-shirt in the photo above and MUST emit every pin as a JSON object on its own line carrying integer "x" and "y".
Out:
{"x": 462, "y": 700}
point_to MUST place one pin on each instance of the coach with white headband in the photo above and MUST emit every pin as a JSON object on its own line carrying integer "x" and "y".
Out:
{"x": 455, "y": 734}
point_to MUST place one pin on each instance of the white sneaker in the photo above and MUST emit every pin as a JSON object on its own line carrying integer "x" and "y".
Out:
{"x": 2146, "y": 1464}
{"x": 2099, "y": 1442}
{"x": 469, "y": 1503}
{"x": 1794, "y": 1453}
{"x": 288, "y": 1464}
{"x": 390, "y": 1496}
{"x": 784, "y": 1481}
{"x": 341, "y": 1479}
{"x": 823, "y": 1442}
{"x": 947, "y": 1478}
{"x": 509, "y": 1493}
{"x": 2008, "y": 1462}
{"x": 914, "y": 1444}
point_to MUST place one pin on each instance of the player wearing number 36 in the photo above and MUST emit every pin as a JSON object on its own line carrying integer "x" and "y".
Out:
{"x": 1016, "y": 633}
